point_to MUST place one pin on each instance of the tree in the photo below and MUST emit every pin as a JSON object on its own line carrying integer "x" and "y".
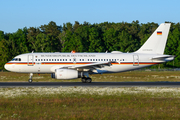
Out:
{"x": 4, "y": 53}
{"x": 53, "y": 31}
{"x": 21, "y": 42}
{"x": 83, "y": 35}
{"x": 1, "y": 35}
{"x": 96, "y": 44}
{"x": 31, "y": 37}
{"x": 42, "y": 44}
{"x": 110, "y": 39}
{"x": 125, "y": 43}
{"x": 173, "y": 47}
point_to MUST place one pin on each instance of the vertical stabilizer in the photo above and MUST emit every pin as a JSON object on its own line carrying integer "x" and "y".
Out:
{"x": 157, "y": 41}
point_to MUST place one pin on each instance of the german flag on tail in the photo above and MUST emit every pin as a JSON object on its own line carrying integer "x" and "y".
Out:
{"x": 159, "y": 32}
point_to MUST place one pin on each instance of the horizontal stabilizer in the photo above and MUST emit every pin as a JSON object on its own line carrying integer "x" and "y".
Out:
{"x": 163, "y": 58}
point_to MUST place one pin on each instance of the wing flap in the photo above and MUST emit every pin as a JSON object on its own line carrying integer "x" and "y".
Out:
{"x": 92, "y": 65}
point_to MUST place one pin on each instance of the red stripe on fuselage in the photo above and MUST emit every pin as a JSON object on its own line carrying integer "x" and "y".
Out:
{"x": 78, "y": 63}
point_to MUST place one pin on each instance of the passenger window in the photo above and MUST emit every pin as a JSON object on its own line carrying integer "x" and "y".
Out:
{"x": 79, "y": 59}
{"x": 41, "y": 59}
{"x": 46, "y": 59}
{"x": 65, "y": 59}
{"x": 49, "y": 59}
{"x": 69, "y": 59}
{"x": 82, "y": 59}
{"x": 60, "y": 59}
{"x": 96, "y": 59}
{"x": 90, "y": 59}
{"x": 36, "y": 59}
{"x": 57, "y": 59}
{"x": 93, "y": 59}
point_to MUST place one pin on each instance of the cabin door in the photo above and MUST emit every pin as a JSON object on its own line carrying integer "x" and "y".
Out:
{"x": 135, "y": 60}
{"x": 30, "y": 60}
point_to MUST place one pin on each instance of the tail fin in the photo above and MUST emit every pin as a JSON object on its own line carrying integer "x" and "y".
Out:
{"x": 157, "y": 41}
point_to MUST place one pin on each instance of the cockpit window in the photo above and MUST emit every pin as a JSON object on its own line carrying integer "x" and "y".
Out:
{"x": 16, "y": 59}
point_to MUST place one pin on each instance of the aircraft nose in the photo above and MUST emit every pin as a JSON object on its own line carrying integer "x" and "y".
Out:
{"x": 6, "y": 66}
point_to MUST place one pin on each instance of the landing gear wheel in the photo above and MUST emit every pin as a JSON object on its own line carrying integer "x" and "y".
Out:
{"x": 83, "y": 79}
{"x": 88, "y": 80}
{"x": 30, "y": 80}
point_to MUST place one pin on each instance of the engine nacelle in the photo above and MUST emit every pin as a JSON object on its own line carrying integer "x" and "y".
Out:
{"x": 66, "y": 74}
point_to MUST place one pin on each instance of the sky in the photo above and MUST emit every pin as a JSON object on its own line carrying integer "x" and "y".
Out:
{"x": 17, "y": 14}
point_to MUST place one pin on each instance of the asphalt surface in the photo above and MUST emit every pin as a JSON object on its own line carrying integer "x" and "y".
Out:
{"x": 93, "y": 84}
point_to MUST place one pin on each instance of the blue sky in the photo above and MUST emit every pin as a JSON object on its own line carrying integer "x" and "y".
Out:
{"x": 15, "y": 14}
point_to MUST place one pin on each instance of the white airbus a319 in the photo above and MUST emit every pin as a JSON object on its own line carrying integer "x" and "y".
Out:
{"x": 80, "y": 65}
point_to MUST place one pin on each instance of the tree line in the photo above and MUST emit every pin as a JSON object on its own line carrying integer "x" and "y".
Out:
{"x": 85, "y": 37}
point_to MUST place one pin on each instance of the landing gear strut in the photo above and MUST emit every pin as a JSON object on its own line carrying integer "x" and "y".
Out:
{"x": 30, "y": 78}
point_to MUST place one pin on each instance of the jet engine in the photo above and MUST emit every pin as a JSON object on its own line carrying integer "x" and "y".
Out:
{"x": 66, "y": 74}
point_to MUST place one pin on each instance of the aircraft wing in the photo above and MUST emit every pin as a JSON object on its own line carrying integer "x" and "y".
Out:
{"x": 90, "y": 66}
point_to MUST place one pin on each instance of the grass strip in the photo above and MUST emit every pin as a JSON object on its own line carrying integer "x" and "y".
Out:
{"x": 148, "y": 76}
{"x": 90, "y": 103}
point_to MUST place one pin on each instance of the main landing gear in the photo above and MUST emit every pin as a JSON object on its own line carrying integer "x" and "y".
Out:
{"x": 30, "y": 78}
{"x": 86, "y": 80}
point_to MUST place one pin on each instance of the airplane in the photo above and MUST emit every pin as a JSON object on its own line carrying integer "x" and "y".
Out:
{"x": 74, "y": 65}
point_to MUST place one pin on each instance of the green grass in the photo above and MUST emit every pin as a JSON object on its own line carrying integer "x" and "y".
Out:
{"x": 74, "y": 105}
{"x": 116, "y": 77}
{"x": 90, "y": 107}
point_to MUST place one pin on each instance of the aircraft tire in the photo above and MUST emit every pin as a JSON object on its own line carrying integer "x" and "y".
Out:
{"x": 88, "y": 80}
{"x": 83, "y": 79}
{"x": 30, "y": 80}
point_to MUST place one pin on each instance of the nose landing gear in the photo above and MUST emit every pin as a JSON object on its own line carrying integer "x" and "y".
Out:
{"x": 30, "y": 78}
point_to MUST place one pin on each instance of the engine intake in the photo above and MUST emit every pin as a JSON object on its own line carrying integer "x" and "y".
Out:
{"x": 66, "y": 74}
